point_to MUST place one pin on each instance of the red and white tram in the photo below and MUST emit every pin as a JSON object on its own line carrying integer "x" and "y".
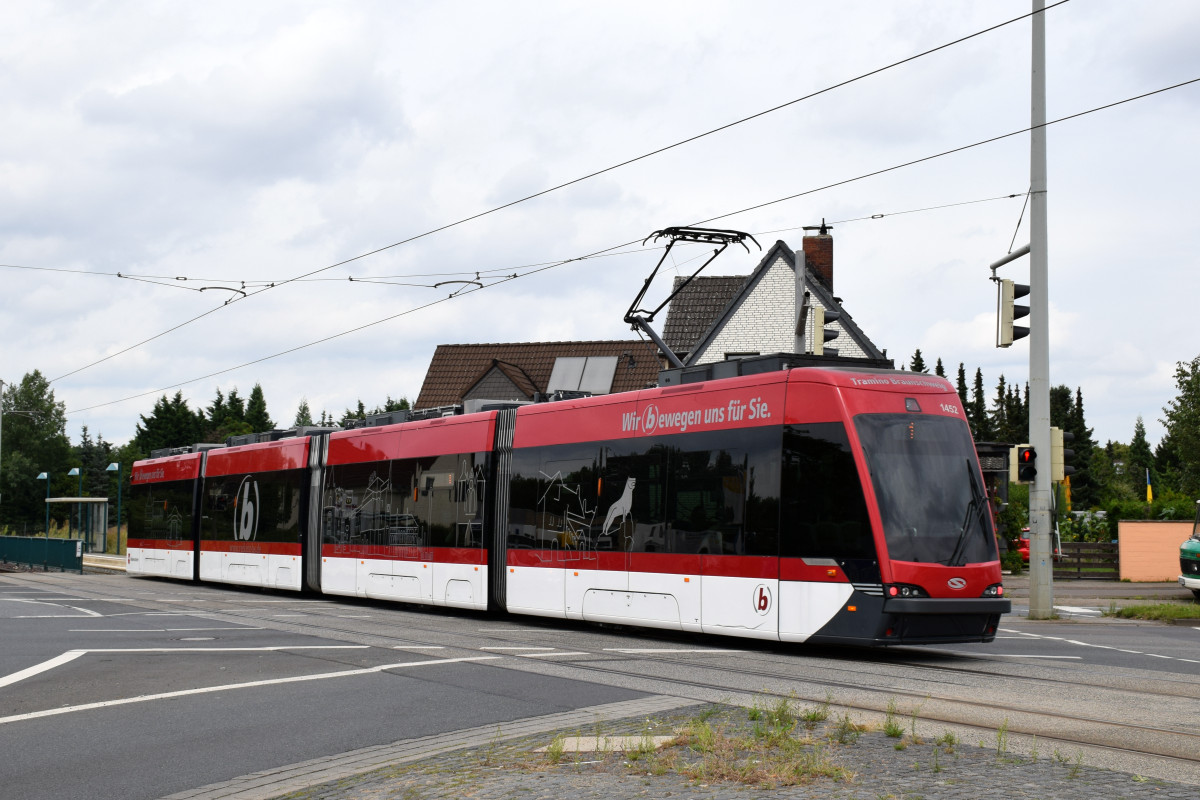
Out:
{"x": 810, "y": 504}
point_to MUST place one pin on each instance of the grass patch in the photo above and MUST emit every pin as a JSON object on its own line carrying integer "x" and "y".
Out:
{"x": 765, "y": 754}
{"x": 1159, "y": 611}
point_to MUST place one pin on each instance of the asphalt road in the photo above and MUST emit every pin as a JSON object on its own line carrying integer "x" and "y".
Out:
{"x": 113, "y": 686}
{"x": 119, "y": 703}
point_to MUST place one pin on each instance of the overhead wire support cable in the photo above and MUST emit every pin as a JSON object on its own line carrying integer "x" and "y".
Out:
{"x": 951, "y": 151}
{"x": 635, "y": 241}
{"x": 590, "y": 175}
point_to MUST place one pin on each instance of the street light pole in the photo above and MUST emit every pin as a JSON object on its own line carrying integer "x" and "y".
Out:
{"x": 45, "y": 476}
{"x": 79, "y": 506}
{"x": 117, "y": 466}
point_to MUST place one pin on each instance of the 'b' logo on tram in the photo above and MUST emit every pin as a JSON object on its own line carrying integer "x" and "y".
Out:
{"x": 245, "y": 522}
{"x": 762, "y": 599}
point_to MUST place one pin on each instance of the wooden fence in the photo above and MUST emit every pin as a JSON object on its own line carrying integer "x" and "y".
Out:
{"x": 1097, "y": 561}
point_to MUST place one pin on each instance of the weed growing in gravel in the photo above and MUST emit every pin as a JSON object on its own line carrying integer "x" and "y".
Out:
{"x": 554, "y": 751}
{"x": 947, "y": 740}
{"x": 846, "y": 731}
{"x": 1002, "y": 739}
{"x": 812, "y": 716}
{"x": 489, "y": 754}
{"x": 913, "y": 727}
{"x": 1073, "y": 772}
{"x": 891, "y": 726}
{"x": 772, "y": 723}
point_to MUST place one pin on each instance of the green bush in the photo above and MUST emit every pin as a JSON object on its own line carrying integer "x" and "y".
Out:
{"x": 1171, "y": 505}
{"x": 1012, "y": 562}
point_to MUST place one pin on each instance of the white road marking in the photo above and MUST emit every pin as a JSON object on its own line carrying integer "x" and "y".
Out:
{"x": 549, "y": 655}
{"x": 1089, "y": 644}
{"x": 516, "y": 648}
{"x": 71, "y": 655}
{"x": 1092, "y": 612}
{"x": 651, "y": 650}
{"x": 37, "y": 669}
{"x": 418, "y": 647}
{"x": 231, "y": 686}
{"x": 274, "y": 648}
{"x": 155, "y": 630}
{"x": 1020, "y": 655}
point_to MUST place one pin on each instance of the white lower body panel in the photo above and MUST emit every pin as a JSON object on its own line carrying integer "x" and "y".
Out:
{"x": 426, "y": 582}
{"x": 160, "y": 562}
{"x": 251, "y": 569}
{"x": 805, "y": 607}
{"x": 754, "y": 608}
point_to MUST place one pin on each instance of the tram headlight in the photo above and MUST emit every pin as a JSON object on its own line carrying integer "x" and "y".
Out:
{"x": 995, "y": 590}
{"x": 905, "y": 590}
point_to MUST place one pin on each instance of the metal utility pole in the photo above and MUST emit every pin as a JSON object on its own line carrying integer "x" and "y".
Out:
{"x": 1041, "y": 565}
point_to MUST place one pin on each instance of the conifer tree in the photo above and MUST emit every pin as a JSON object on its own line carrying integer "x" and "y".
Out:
{"x": 256, "y": 411}
{"x": 303, "y": 414}
{"x": 961, "y": 386}
{"x": 980, "y": 424}
{"x": 918, "y": 362}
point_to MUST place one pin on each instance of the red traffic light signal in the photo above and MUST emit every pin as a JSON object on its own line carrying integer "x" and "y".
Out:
{"x": 1026, "y": 463}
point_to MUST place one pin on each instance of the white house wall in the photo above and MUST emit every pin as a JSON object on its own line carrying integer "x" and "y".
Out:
{"x": 764, "y": 321}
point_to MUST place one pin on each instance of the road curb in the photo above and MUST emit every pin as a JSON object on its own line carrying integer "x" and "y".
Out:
{"x": 304, "y": 774}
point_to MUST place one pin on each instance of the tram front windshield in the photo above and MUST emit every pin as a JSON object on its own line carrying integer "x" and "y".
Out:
{"x": 926, "y": 478}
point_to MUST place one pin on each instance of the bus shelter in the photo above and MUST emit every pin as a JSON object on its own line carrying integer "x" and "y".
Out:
{"x": 90, "y": 515}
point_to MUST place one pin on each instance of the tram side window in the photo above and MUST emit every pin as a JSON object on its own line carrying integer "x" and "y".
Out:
{"x": 253, "y": 507}
{"x": 436, "y": 501}
{"x": 161, "y": 510}
{"x": 711, "y": 493}
{"x": 824, "y": 511}
{"x": 633, "y": 500}
{"x": 553, "y": 498}
{"x": 447, "y": 494}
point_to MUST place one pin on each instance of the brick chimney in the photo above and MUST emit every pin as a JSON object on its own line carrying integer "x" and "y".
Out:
{"x": 818, "y": 252}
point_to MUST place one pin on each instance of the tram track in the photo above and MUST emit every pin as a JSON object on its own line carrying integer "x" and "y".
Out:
{"x": 760, "y": 673}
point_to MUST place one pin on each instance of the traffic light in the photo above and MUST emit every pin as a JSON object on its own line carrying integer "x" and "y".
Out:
{"x": 1022, "y": 464}
{"x": 821, "y": 318}
{"x": 1060, "y": 457}
{"x": 1008, "y": 312}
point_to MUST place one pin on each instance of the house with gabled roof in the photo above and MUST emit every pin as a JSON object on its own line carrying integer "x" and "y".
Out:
{"x": 712, "y": 320}
{"x": 520, "y": 371}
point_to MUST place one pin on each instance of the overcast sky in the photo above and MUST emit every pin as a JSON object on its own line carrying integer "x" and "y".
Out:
{"x": 226, "y": 142}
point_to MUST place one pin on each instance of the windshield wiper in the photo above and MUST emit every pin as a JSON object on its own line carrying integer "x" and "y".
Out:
{"x": 973, "y": 509}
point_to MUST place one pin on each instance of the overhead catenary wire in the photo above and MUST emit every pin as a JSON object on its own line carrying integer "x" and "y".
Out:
{"x": 944, "y": 153}
{"x": 896, "y": 213}
{"x": 586, "y": 177}
{"x": 498, "y": 272}
{"x": 634, "y": 241}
